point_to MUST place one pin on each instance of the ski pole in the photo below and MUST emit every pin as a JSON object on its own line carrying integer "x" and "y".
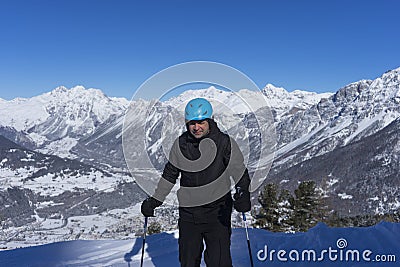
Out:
{"x": 144, "y": 240}
{"x": 248, "y": 239}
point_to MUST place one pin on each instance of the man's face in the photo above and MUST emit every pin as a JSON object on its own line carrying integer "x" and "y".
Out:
{"x": 199, "y": 128}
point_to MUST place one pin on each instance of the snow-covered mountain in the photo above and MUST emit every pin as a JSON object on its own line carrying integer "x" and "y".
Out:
{"x": 359, "y": 178}
{"x": 77, "y": 112}
{"x": 322, "y": 137}
{"x": 307, "y": 124}
{"x": 230, "y": 108}
{"x": 54, "y": 121}
{"x": 354, "y": 112}
{"x": 284, "y": 103}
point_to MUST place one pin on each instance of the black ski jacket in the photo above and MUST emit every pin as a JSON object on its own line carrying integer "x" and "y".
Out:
{"x": 217, "y": 210}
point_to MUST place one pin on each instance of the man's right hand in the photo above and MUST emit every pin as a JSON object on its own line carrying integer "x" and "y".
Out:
{"x": 148, "y": 206}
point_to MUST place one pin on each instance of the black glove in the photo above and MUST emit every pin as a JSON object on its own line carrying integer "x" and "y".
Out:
{"x": 148, "y": 206}
{"x": 242, "y": 200}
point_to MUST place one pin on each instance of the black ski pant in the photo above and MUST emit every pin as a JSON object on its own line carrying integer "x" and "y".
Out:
{"x": 217, "y": 238}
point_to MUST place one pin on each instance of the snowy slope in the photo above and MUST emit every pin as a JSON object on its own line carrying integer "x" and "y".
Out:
{"x": 343, "y": 247}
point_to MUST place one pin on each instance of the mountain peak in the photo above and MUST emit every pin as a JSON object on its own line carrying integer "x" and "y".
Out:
{"x": 271, "y": 89}
{"x": 60, "y": 89}
{"x": 62, "y": 112}
{"x": 76, "y": 91}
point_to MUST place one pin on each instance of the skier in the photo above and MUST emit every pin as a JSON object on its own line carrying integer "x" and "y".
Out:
{"x": 210, "y": 222}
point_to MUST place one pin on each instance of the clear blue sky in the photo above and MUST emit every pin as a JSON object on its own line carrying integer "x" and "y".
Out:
{"x": 116, "y": 45}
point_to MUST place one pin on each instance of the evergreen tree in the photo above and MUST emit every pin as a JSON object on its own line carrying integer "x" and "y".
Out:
{"x": 306, "y": 206}
{"x": 285, "y": 211}
{"x": 268, "y": 216}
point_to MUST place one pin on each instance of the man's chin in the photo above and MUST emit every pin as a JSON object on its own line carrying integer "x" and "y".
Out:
{"x": 198, "y": 135}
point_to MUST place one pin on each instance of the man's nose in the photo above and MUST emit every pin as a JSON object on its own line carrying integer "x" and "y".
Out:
{"x": 196, "y": 126}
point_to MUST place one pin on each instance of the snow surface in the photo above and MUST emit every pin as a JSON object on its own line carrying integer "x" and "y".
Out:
{"x": 161, "y": 250}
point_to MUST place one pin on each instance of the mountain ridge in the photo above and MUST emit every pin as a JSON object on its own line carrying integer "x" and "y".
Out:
{"x": 310, "y": 129}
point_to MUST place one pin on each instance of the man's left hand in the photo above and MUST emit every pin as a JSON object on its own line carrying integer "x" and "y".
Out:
{"x": 242, "y": 200}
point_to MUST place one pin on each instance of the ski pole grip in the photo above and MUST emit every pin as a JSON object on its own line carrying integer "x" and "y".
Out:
{"x": 244, "y": 216}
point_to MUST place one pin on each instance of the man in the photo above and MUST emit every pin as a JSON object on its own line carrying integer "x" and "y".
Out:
{"x": 209, "y": 220}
